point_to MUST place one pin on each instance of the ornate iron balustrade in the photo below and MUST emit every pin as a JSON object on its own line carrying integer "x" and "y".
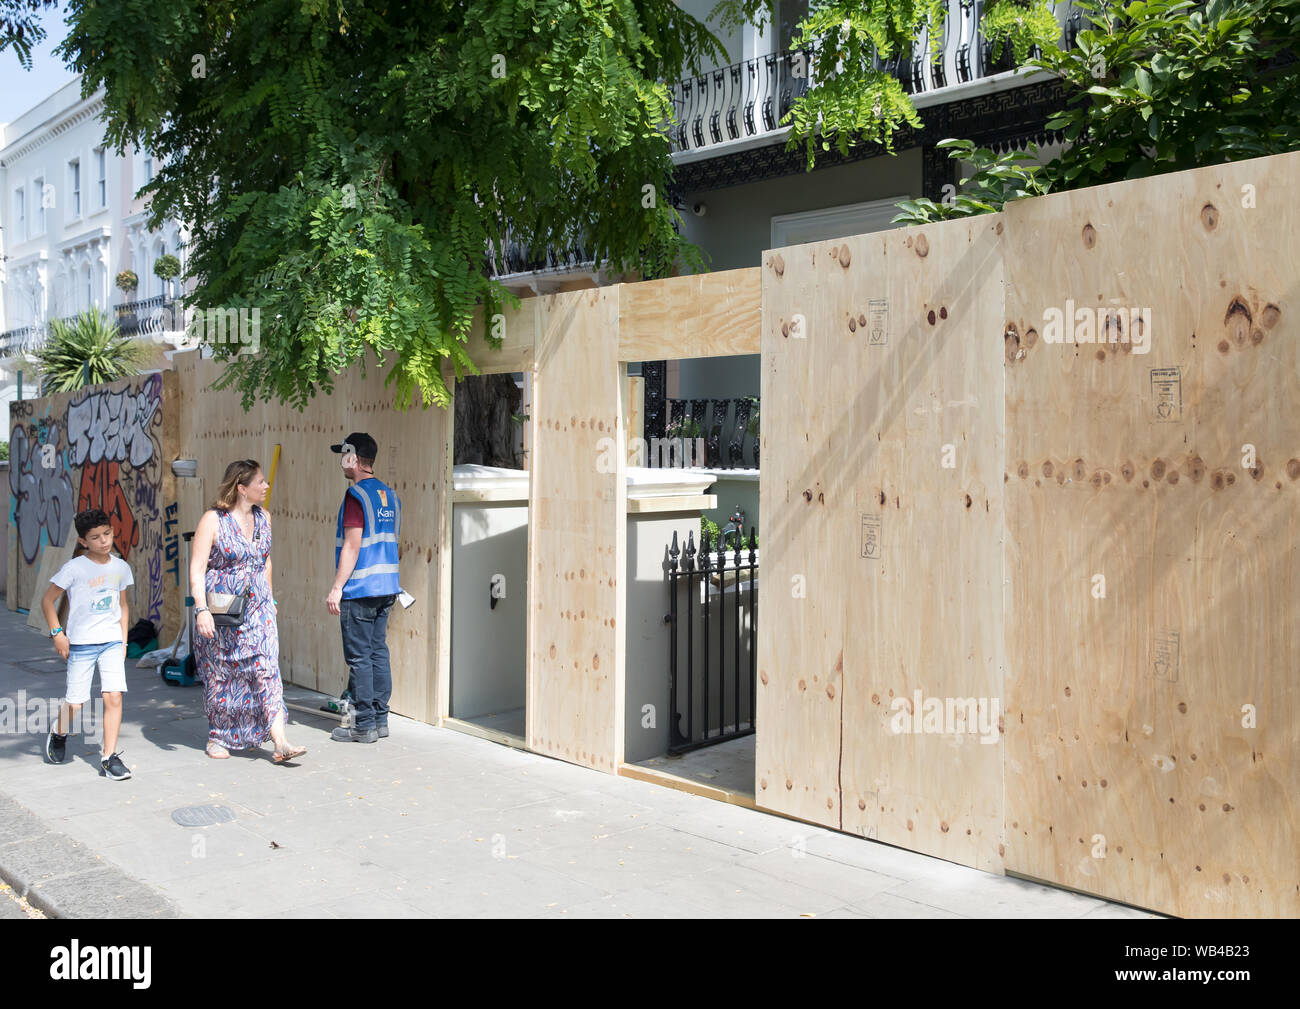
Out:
{"x": 22, "y": 340}
{"x": 143, "y": 318}
{"x": 727, "y": 429}
{"x": 749, "y": 98}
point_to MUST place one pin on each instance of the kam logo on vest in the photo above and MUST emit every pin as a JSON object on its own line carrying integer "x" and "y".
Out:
{"x": 102, "y": 963}
{"x": 384, "y": 511}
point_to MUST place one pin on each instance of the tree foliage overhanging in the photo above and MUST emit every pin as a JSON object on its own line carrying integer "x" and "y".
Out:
{"x": 21, "y": 28}
{"x": 344, "y": 167}
{"x": 1154, "y": 87}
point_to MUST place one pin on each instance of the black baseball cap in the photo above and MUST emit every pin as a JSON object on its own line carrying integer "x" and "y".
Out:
{"x": 362, "y": 443}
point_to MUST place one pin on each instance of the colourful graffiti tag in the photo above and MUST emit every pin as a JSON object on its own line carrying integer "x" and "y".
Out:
{"x": 100, "y": 488}
{"x": 104, "y": 443}
{"x": 42, "y": 494}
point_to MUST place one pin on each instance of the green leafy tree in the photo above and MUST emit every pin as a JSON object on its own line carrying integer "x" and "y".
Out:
{"x": 1169, "y": 85}
{"x": 85, "y": 350}
{"x": 345, "y": 168}
{"x": 20, "y": 27}
{"x": 1151, "y": 88}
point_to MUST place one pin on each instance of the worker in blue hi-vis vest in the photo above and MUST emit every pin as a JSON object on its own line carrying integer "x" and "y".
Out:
{"x": 365, "y": 585}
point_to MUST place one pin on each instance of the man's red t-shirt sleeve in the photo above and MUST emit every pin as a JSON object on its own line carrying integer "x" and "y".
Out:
{"x": 352, "y": 514}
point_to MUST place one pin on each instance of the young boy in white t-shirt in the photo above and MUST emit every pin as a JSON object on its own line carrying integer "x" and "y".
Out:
{"x": 96, "y": 584}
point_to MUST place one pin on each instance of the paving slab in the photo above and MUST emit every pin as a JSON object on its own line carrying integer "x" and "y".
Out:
{"x": 427, "y": 823}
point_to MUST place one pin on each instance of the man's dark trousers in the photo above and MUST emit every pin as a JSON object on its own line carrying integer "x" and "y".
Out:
{"x": 365, "y": 649}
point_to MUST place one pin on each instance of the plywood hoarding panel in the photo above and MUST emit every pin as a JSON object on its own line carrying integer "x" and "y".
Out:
{"x": 804, "y": 499}
{"x": 1152, "y": 730}
{"x": 515, "y": 328}
{"x": 577, "y": 533}
{"x": 701, "y": 315}
{"x": 309, "y": 487}
{"x": 924, "y": 657}
{"x": 882, "y": 488}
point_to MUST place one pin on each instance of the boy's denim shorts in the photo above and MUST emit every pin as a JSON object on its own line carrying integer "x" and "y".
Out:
{"x": 82, "y": 660}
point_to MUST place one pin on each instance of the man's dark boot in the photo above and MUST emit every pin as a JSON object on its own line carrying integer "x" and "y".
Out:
{"x": 350, "y": 735}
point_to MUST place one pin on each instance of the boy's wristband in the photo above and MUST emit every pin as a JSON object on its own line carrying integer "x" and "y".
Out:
{"x": 56, "y": 632}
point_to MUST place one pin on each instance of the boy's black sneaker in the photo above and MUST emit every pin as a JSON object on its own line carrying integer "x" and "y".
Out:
{"x": 56, "y": 747}
{"x": 112, "y": 766}
{"x": 382, "y": 730}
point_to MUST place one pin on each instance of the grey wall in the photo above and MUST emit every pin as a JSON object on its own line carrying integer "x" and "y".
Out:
{"x": 738, "y": 225}
{"x": 487, "y": 644}
{"x": 718, "y": 377}
{"x": 647, "y": 637}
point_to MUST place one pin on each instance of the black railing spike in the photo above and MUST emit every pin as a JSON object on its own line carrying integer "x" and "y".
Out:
{"x": 752, "y": 544}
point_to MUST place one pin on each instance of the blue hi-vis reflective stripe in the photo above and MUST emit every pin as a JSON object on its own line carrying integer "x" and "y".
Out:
{"x": 376, "y": 572}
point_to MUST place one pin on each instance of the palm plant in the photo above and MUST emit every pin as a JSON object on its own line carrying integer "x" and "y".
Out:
{"x": 85, "y": 350}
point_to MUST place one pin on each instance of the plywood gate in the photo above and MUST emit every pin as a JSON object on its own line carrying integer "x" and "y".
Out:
{"x": 1129, "y": 713}
{"x": 1149, "y": 737}
{"x": 309, "y": 486}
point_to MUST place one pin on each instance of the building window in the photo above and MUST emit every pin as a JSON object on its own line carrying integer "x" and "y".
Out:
{"x": 41, "y": 201}
{"x": 148, "y": 168}
{"x": 101, "y": 173}
{"x": 20, "y": 215}
{"x": 74, "y": 186}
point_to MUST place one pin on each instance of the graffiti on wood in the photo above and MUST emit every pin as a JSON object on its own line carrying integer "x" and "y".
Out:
{"x": 99, "y": 448}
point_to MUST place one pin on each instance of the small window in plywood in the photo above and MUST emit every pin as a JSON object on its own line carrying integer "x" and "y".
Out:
{"x": 491, "y": 421}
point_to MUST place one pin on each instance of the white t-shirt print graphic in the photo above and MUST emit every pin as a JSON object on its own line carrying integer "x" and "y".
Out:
{"x": 94, "y": 598}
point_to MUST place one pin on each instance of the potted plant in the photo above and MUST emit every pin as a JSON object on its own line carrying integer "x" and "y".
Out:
{"x": 127, "y": 282}
{"x": 167, "y": 267}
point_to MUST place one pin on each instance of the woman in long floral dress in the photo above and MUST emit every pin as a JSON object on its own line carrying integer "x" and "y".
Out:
{"x": 240, "y": 666}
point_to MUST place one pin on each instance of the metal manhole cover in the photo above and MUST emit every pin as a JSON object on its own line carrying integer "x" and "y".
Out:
{"x": 202, "y": 816}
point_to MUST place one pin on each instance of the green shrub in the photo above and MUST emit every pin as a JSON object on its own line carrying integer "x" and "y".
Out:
{"x": 85, "y": 350}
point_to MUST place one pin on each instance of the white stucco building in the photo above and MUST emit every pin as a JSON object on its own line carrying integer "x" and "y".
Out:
{"x": 70, "y": 222}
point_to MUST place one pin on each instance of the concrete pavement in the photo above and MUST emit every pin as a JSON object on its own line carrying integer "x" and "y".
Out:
{"x": 429, "y": 822}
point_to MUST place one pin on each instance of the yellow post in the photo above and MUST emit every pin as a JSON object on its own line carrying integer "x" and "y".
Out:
{"x": 270, "y": 480}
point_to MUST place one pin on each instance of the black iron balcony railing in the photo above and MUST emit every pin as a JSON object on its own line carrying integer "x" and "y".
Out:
{"x": 146, "y": 317}
{"x": 749, "y": 99}
{"x": 720, "y": 434}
